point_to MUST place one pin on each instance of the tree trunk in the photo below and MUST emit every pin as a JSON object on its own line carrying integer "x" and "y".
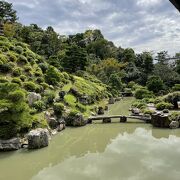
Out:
{"x": 1, "y": 28}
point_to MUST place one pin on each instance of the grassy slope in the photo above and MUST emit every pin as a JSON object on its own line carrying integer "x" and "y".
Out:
{"x": 24, "y": 65}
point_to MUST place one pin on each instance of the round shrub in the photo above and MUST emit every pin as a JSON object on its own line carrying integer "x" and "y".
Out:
{"x": 66, "y": 75}
{"x": 58, "y": 108}
{"x": 139, "y": 104}
{"x": 40, "y": 79}
{"x": 27, "y": 68}
{"x": 3, "y": 59}
{"x": 143, "y": 93}
{"x": 17, "y": 81}
{"x": 22, "y": 77}
{"x": 164, "y": 105}
{"x": 43, "y": 67}
{"x": 17, "y": 71}
{"x": 148, "y": 111}
{"x": 22, "y": 60}
{"x": 5, "y": 68}
{"x": 49, "y": 97}
{"x": 18, "y": 49}
{"x": 81, "y": 107}
{"x": 17, "y": 96}
{"x": 12, "y": 56}
{"x": 39, "y": 105}
{"x": 44, "y": 85}
{"x": 29, "y": 86}
{"x": 3, "y": 80}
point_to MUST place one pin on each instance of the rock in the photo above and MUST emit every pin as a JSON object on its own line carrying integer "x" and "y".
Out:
{"x": 74, "y": 92}
{"x": 111, "y": 100}
{"x": 53, "y": 123}
{"x": 174, "y": 125}
{"x": 123, "y": 119}
{"x": 166, "y": 111}
{"x": 107, "y": 120}
{"x": 84, "y": 100}
{"x": 10, "y": 144}
{"x": 160, "y": 120}
{"x": 61, "y": 126}
{"x": 135, "y": 111}
{"x": 33, "y": 97}
{"x": 106, "y": 108}
{"x": 118, "y": 99}
{"x": 100, "y": 110}
{"x": 62, "y": 94}
{"x": 75, "y": 120}
{"x": 38, "y": 138}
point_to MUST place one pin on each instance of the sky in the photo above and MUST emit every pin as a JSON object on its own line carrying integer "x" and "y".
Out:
{"x": 145, "y": 25}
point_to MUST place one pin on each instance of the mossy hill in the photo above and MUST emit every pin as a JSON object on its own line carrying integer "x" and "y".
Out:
{"x": 22, "y": 71}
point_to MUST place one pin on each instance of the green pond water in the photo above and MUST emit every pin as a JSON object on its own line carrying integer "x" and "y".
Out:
{"x": 129, "y": 151}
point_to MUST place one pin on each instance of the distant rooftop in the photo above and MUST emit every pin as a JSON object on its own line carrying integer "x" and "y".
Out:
{"x": 176, "y": 3}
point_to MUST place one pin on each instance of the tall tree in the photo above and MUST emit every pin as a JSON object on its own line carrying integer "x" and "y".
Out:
{"x": 75, "y": 59}
{"x": 7, "y": 14}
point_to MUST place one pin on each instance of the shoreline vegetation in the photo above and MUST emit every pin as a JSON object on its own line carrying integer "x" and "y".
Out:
{"x": 49, "y": 81}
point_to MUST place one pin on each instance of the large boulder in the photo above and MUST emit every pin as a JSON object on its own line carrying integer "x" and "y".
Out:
{"x": 33, "y": 97}
{"x": 74, "y": 92}
{"x": 10, "y": 144}
{"x": 75, "y": 120}
{"x": 38, "y": 138}
{"x": 111, "y": 100}
{"x": 135, "y": 111}
{"x": 100, "y": 110}
{"x": 160, "y": 120}
{"x": 53, "y": 123}
{"x": 62, "y": 125}
{"x": 174, "y": 125}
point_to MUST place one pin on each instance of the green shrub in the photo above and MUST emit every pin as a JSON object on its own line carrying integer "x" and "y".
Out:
{"x": 139, "y": 104}
{"x": 3, "y": 59}
{"x": 164, "y": 105}
{"x": 131, "y": 84}
{"x": 143, "y": 93}
{"x": 3, "y": 80}
{"x": 12, "y": 56}
{"x": 52, "y": 76}
{"x": 14, "y": 114}
{"x": 43, "y": 67}
{"x": 158, "y": 100}
{"x": 176, "y": 87}
{"x": 44, "y": 85}
{"x": 66, "y": 75}
{"x": 17, "y": 96}
{"x": 18, "y": 49}
{"x": 49, "y": 97}
{"x": 58, "y": 108}
{"x": 22, "y": 59}
{"x": 17, "y": 81}
{"x": 175, "y": 116}
{"x": 22, "y": 77}
{"x": 39, "y": 105}
{"x": 27, "y": 68}
{"x": 29, "y": 86}
{"x": 40, "y": 79}
{"x": 17, "y": 71}
{"x": 148, "y": 111}
{"x": 81, "y": 107}
{"x": 5, "y": 68}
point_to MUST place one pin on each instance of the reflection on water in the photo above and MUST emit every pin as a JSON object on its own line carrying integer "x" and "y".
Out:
{"x": 100, "y": 151}
{"x": 129, "y": 156}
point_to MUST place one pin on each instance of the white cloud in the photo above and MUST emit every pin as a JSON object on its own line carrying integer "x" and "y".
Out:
{"x": 141, "y": 24}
